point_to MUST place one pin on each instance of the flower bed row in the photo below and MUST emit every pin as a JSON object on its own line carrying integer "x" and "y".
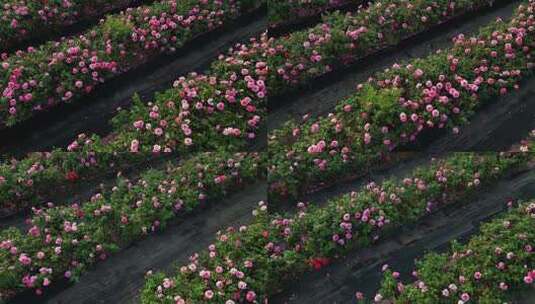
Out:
{"x": 64, "y": 71}
{"x": 121, "y": 40}
{"x": 22, "y": 21}
{"x": 200, "y": 125}
{"x": 342, "y": 39}
{"x": 304, "y": 55}
{"x": 65, "y": 241}
{"x": 396, "y": 106}
{"x": 219, "y": 110}
{"x": 283, "y": 12}
{"x": 261, "y": 60}
{"x": 496, "y": 262}
{"x": 250, "y": 263}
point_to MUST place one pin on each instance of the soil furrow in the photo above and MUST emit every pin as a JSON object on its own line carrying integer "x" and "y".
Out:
{"x": 309, "y": 21}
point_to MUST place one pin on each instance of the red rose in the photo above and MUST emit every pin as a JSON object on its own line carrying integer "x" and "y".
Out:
{"x": 72, "y": 176}
{"x": 318, "y": 263}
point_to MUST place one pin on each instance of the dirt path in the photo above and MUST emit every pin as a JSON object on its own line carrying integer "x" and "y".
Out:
{"x": 58, "y": 127}
{"x": 360, "y": 271}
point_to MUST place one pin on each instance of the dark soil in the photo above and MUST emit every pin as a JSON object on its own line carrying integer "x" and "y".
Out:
{"x": 58, "y": 127}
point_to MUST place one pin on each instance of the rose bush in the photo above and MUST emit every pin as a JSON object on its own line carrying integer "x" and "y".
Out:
{"x": 64, "y": 241}
{"x": 249, "y": 263}
{"x": 396, "y": 106}
{"x": 348, "y": 37}
{"x": 21, "y": 21}
{"x": 64, "y": 71}
{"x": 494, "y": 263}
{"x": 220, "y": 109}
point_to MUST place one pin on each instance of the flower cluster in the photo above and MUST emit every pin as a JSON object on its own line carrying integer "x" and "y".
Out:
{"x": 220, "y": 109}
{"x": 396, "y": 106}
{"x": 495, "y": 262}
{"x": 249, "y": 263}
{"x": 64, "y": 71}
{"x": 64, "y": 240}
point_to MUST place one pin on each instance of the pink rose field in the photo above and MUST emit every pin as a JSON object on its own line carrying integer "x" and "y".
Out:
{"x": 267, "y": 151}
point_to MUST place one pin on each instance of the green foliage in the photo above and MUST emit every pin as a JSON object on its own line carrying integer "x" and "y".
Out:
{"x": 117, "y": 28}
